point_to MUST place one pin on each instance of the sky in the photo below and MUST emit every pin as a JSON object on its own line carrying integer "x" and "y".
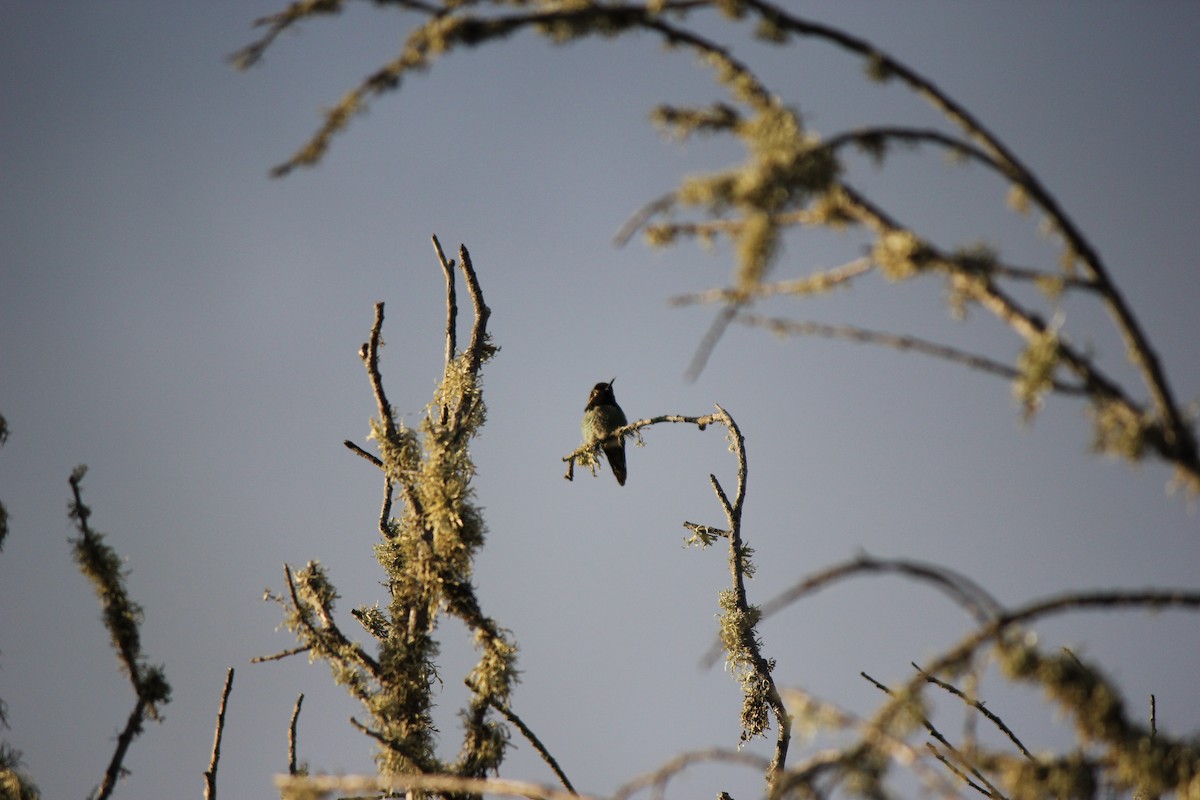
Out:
{"x": 188, "y": 327}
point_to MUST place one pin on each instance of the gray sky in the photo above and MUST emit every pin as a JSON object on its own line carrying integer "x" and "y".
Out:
{"x": 188, "y": 328}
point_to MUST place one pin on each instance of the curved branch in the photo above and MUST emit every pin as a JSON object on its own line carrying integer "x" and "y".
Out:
{"x": 1178, "y": 436}
{"x": 994, "y": 631}
{"x": 962, "y": 590}
{"x": 901, "y": 342}
{"x": 660, "y": 777}
{"x": 971, "y": 596}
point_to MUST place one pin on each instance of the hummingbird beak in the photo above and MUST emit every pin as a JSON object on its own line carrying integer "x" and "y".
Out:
{"x": 610, "y": 383}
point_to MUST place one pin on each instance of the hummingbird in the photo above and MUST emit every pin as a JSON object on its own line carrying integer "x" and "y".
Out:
{"x": 602, "y": 416}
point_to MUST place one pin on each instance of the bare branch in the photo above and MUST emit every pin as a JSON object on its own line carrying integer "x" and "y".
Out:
{"x": 995, "y": 720}
{"x": 957, "y": 763}
{"x": 533, "y": 740}
{"x": 482, "y": 313}
{"x": 953, "y": 764}
{"x": 281, "y": 655}
{"x": 977, "y": 602}
{"x": 210, "y": 776}
{"x": 451, "y": 306}
{"x": 374, "y": 459}
{"x": 293, "y": 768}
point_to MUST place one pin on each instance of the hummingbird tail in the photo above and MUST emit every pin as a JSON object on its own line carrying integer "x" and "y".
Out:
{"x": 616, "y": 459}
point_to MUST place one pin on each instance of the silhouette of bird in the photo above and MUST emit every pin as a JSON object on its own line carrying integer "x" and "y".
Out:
{"x": 602, "y": 416}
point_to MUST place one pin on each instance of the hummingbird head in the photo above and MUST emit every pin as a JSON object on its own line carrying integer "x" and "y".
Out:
{"x": 602, "y": 395}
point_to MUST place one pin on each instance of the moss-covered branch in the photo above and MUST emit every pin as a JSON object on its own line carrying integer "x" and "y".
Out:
{"x": 123, "y": 618}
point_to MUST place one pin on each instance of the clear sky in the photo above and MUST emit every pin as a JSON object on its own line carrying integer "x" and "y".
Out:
{"x": 189, "y": 327}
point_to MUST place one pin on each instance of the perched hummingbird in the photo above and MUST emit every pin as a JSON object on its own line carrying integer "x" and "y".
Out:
{"x": 602, "y": 416}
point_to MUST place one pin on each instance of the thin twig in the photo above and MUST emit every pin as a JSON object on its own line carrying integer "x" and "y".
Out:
{"x": 374, "y": 459}
{"x": 841, "y": 761}
{"x": 995, "y": 630}
{"x": 210, "y": 775}
{"x": 451, "y": 303}
{"x": 963, "y": 763}
{"x": 958, "y": 772}
{"x": 482, "y": 312}
{"x": 292, "y": 767}
{"x": 329, "y": 633}
{"x": 281, "y": 655}
{"x": 371, "y": 359}
{"x": 551, "y": 762}
{"x": 389, "y": 743}
{"x": 451, "y": 320}
{"x": 385, "y": 511}
{"x": 708, "y": 344}
{"x": 994, "y": 719}
{"x": 133, "y": 727}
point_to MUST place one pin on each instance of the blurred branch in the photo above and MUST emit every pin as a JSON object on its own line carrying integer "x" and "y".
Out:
{"x": 659, "y": 778}
{"x": 792, "y": 176}
{"x": 956, "y": 761}
{"x": 852, "y": 333}
{"x": 320, "y": 787}
{"x": 823, "y": 281}
{"x": 980, "y": 707}
{"x": 974, "y": 599}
